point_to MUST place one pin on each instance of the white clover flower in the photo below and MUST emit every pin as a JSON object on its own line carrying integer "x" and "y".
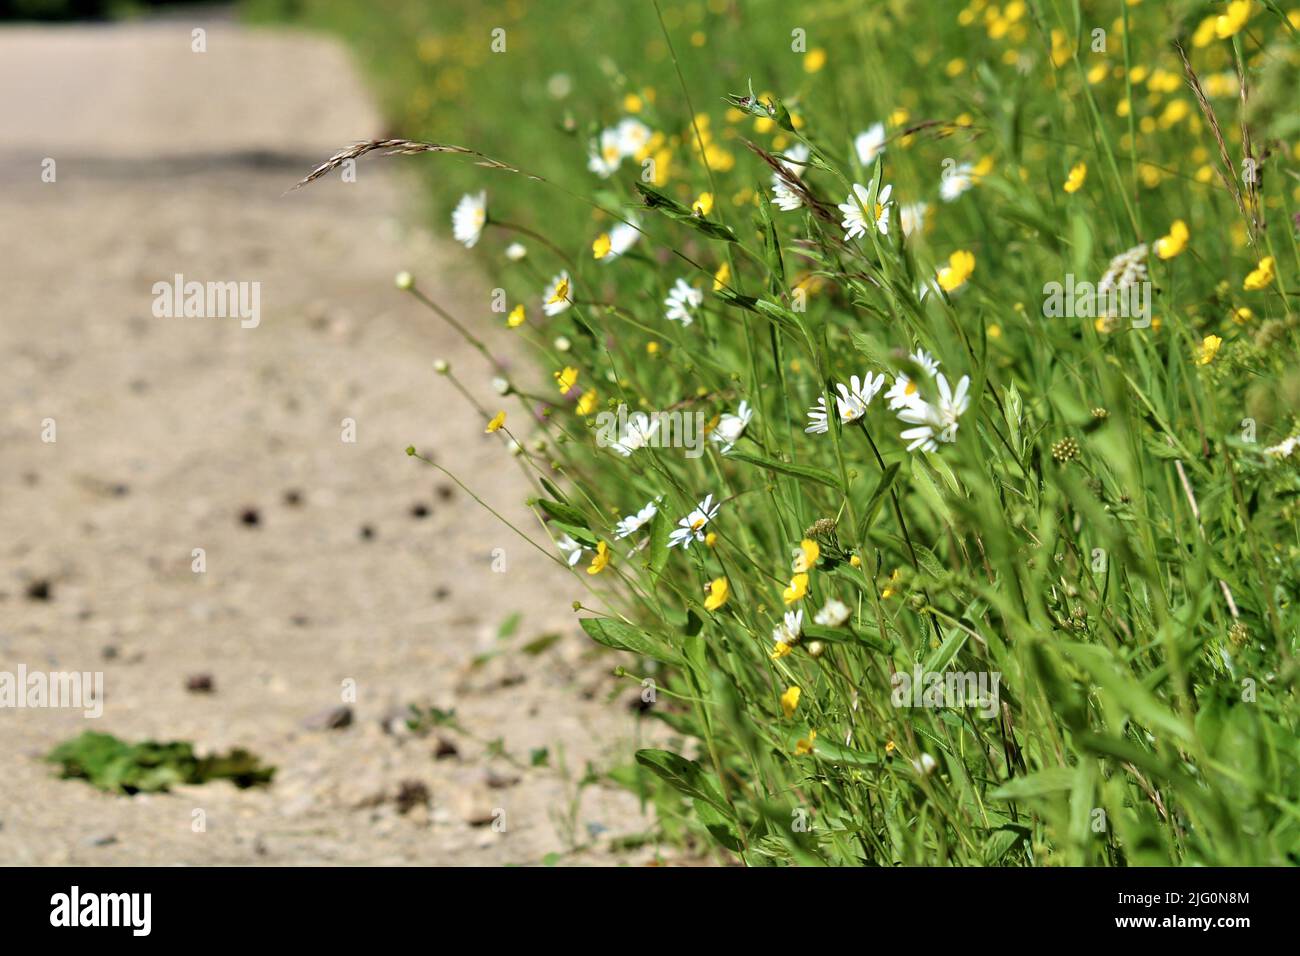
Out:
{"x": 636, "y": 435}
{"x": 469, "y": 217}
{"x": 606, "y": 154}
{"x": 912, "y": 217}
{"x": 833, "y": 614}
{"x": 731, "y": 427}
{"x": 870, "y": 144}
{"x": 558, "y": 295}
{"x": 691, "y": 528}
{"x": 783, "y": 197}
{"x": 1126, "y": 269}
{"x": 790, "y": 628}
{"x": 572, "y": 549}
{"x": 516, "y": 251}
{"x": 635, "y": 522}
{"x": 936, "y": 422}
{"x": 855, "y": 218}
{"x": 957, "y": 181}
{"x": 682, "y": 300}
{"x": 904, "y": 391}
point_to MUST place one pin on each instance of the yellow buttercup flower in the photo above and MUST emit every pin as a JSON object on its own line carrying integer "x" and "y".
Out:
{"x": 632, "y": 103}
{"x": 797, "y": 589}
{"x": 1262, "y": 277}
{"x": 959, "y": 268}
{"x": 1242, "y": 315}
{"x": 890, "y": 590}
{"x": 587, "y": 404}
{"x": 814, "y": 60}
{"x": 1208, "y": 348}
{"x": 722, "y": 277}
{"x": 711, "y": 539}
{"x": 1171, "y": 245}
{"x": 1230, "y": 22}
{"x": 808, "y": 554}
{"x": 561, "y": 293}
{"x": 1074, "y": 182}
{"x": 566, "y": 379}
{"x": 601, "y": 559}
{"x": 719, "y": 591}
{"x": 781, "y": 650}
{"x": 805, "y": 744}
{"x": 855, "y": 561}
{"x": 516, "y": 317}
{"x": 790, "y": 700}
{"x": 703, "y": 205}
{"x": 498, "y": 420}
{"x": 600, "y": 248}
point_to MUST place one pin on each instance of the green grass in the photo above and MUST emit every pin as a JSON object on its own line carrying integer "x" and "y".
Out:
{"x": 1107, "y": 532}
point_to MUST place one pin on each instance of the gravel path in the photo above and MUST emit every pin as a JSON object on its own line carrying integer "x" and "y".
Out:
{"x": 326, "y": 561}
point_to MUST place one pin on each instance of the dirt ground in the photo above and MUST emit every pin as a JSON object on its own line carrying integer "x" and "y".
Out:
{"x": 327, "y": 561}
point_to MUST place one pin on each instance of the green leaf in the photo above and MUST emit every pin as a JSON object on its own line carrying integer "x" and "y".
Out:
{"x": 1051, "y": 780}
{"x": 661, "y": 202}
{"x": 878, "y": 497}
{"x": 686, "y": 776}
{"x": 558, "y": 511}
{"x": 820, "y": 475}
{"x": 625, "y": 637}
{"x": 660, "y": 528}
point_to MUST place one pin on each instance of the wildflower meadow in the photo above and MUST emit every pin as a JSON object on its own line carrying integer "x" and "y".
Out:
{"x": 913, "y": 399}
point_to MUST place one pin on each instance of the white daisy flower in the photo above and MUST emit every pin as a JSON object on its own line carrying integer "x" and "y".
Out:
{"x": 855, "y": 220}
{"x": 959, "y": 180}
{"x": 572, "y": 549}
{"x": 606, "y": 154}
{"x": 852, "y": 402}
{"x": 558, "y": 295}
{"x": 516, "y": 251}
{"x": 783, "y": 197}
{"x": 731, "y": 427}
{"x": 936, "y": 422}
{"x": 817, "y": 423}
{"x": 912, "y": 217}
{"x": 635, "y": 522}
{"x": 682, "y": 300}
{"x": 469, "y": 217}
{"x": 833, "y": 614}
{"x": 632, "y": 136}
{"x": 870, "y": 144}
{"x": 904, "y": 391}
{"x": 882, "y": 209}
{"x": 788, "y": 631}
{"x": 622, "y": 237}
{"x": 640, "y": 429}
{"x": 691, "y": 528}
